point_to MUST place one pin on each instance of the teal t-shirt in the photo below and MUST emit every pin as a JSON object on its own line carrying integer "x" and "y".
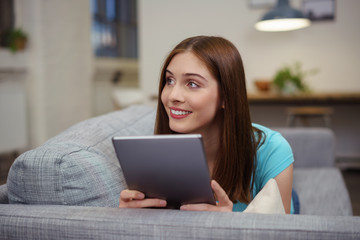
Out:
{"x": 273, "y": 157}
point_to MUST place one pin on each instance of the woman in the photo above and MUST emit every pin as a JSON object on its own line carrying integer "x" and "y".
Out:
{"x": 202, "y": 90}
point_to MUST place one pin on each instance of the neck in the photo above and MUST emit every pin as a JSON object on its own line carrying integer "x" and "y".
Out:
{"x": 211, "y": 145}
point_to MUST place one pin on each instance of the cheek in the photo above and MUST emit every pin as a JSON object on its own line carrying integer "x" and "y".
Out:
{"x": 208, "y": 102}
{"x": 198, "y": 102}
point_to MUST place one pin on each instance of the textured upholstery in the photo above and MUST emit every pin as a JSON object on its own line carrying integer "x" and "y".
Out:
{"x": 67, "y": 222}
{"x": 78, "y": 167}
{"x": 312, "y": 147}
{"x": 3, "y": 194}
{"x": 322, "y": 191}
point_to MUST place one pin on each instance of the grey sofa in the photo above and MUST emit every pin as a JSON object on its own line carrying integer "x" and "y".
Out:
{"x": 69, "y": 188}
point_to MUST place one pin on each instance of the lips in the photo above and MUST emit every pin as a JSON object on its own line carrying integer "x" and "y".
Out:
{"x": 179, "y": 113}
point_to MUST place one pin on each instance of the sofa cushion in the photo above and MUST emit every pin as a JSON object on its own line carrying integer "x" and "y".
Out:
{"x": 327, "y": 191}
{"x": 73, "y": 163}
{"x": 268, "y": 200}
{"x": 3, "y": 194}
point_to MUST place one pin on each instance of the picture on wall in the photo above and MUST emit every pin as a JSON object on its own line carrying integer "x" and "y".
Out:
{"x": 262, "y": 3}
{"x": 319, "y": 10}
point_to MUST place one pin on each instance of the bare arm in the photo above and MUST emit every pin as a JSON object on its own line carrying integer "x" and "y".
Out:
{"x": 284, "y": 181}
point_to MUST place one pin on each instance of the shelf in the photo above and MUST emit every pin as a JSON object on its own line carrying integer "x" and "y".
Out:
{"x": 12, "y": 70}
{"x": 13, "y": 62}
{"x": 312, "y": 98}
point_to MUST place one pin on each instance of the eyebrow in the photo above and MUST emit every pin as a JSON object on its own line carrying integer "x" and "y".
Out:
{"x": 189, "y": 74}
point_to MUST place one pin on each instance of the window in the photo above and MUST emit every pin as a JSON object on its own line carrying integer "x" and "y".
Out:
{"x": 6, "y": 17}
{"x": 114, "y": 28}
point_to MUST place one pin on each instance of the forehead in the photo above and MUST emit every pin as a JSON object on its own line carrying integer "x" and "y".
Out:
{"x": 187, "y": 62}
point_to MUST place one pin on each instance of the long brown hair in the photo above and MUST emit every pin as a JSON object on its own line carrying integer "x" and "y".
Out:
{"x": 235, "y": 166}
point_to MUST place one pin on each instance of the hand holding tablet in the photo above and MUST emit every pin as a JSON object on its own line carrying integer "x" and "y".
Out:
{"x": 136, "y": 199}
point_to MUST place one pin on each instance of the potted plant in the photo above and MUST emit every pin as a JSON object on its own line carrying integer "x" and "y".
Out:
{"x": 14, "y": 39}
{"x": 290, "y": 79}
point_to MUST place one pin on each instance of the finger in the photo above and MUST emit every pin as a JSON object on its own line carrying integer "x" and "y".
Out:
{"x": 198, "y": 207}
{"x": 128, "y": 195}
{"x": 221, "y": 195}
{"x": 149, "y": 202}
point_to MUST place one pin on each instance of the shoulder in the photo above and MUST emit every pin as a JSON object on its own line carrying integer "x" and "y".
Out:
{"x": 271, "y": 139}
{"x": 267, "y": 131}
{"x": 273, "y": 155}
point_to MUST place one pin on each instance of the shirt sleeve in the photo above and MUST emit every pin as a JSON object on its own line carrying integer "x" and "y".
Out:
{"x": 273, "y": 157}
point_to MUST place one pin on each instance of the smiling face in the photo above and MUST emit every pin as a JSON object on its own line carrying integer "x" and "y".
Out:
{"x": 191, "y": 96}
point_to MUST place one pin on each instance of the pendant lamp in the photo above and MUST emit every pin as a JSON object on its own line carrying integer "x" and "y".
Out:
{"x": 282, "y": 18}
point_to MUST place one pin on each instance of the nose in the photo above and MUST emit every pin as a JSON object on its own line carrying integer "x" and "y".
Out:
{"x": 176, "y": 94}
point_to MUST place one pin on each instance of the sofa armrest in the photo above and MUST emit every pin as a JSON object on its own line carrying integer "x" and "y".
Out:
{"x": 78, "y": 166}
{"x": 3, "y": 194}
{"x": 312, "y": 147}
{"x": 60, "y": 222}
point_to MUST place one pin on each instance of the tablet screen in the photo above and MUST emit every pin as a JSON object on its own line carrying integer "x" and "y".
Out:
{"x": 169, "y": 167}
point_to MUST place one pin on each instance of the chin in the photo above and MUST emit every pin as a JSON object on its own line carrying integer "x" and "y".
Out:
{"x": 178, "y": 130}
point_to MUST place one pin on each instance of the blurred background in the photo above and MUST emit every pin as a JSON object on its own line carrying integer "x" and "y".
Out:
{"x": 85, "y": 58}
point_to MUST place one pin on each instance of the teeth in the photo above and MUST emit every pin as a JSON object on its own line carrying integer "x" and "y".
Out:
{"x": 179, "y": 112}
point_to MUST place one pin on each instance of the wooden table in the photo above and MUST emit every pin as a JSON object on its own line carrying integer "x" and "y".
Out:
{"x": 257, "y": 98}
{"x": 271, "y": 110}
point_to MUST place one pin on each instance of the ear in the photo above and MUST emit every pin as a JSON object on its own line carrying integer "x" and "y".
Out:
{"x": 223, "y": 105}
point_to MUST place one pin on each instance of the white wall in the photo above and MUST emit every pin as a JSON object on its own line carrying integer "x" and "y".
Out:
{"x": 333, "y": 47}
{"x": 58, "y": 63}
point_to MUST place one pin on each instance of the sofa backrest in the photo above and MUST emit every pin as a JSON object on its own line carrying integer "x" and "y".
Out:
{"x": 312, "y": 147}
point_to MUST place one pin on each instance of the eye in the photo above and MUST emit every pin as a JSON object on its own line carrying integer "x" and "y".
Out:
{"x": 170, "y": 81}
{"x": 193, "y": 85}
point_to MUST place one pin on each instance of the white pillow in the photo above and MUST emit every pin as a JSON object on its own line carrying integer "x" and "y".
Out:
{"x": 268, "y": 200}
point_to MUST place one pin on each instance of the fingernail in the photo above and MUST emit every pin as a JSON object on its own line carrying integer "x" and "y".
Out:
{"x": 140, "y": 195}
{"x": 162, "y": 202}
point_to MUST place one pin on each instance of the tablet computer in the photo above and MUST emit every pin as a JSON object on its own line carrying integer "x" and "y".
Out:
{"x": 169, "y": 167}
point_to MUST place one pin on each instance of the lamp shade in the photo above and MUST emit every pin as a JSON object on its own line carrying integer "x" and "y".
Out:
{"x": 282, "y": 18}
